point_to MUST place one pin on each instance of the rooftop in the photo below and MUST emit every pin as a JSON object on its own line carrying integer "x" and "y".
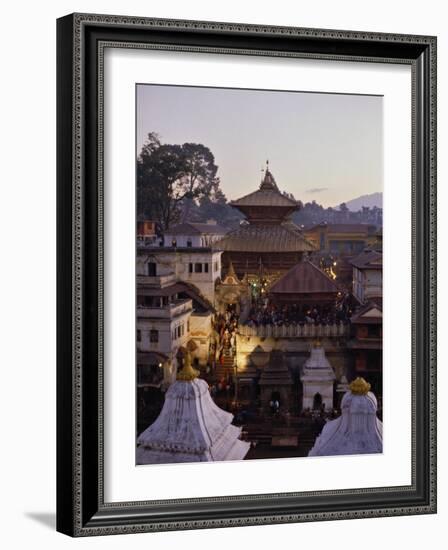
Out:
{"x": 266, "y": 196}
{"x": 304, "y": 278}
{"x": 193, "y": 228}
{"x": 143, "y": 248}
{"x": 364, "y": 228}
{"x": 368, "y": 259}
{"x": 370, "y": 314}
{"x": 276, "y": 373}
{"x": 264, "y": 238}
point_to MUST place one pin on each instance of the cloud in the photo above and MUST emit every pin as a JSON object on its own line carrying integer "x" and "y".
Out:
{"x": 316, "y": 189}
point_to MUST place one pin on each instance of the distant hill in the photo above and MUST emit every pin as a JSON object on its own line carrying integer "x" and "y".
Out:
{"x": 375, "y": 199}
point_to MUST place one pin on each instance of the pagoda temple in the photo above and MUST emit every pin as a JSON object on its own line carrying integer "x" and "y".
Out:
{"x": 267, "y": 240}
{"x": 190, "y": 427}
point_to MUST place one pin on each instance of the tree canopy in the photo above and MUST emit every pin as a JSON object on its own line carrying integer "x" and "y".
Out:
{"x": 172, "y": 178}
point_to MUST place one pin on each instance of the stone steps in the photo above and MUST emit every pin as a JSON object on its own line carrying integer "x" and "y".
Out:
{"x": 226, "y": 368}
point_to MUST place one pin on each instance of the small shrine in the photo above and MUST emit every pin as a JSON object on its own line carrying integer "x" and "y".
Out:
{"x": 190, "y": 427}
{"x": 232, "y": 292}
{"x": 357, "y": 430}
{"x": 318, "y": 380}
{"x": 276, "y": 382}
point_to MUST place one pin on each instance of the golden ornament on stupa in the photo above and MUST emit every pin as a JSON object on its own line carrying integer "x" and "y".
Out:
{"x": 359, "y": 386}
{"x": 187, "y": 373}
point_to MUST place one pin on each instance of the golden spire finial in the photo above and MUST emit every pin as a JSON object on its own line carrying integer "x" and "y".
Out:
{"x": 231, "y": 278}
{"x": 359, "y": 386}
{"x": 187, "y": 373}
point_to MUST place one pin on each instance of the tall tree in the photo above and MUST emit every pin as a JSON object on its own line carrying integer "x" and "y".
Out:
{"x": 170, "y": 177}
{"x": 199, "y": 179}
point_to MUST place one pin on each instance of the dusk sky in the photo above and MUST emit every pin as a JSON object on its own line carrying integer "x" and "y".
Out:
{"x": 323, "y": 147}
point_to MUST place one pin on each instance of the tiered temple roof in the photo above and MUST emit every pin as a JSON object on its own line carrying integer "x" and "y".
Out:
{"x": 268, "y": 228}
{"x": 267, "y": 196}
{"x": 265, "y": 238}
{"x": 267, "y": 204}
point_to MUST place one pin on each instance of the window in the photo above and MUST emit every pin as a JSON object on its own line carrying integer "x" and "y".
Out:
{"x": 189, "y": 243}
{"x": 198, "y": 268}
{"x": 152, "y": 269}
{"x": 174, "y": 243}
{"x": 216, "y": 266}
{"x": 322, "y": 241}
{"x": 190, "y": 268}
{"x": 139, "y": 335}
{"x": 205, "y": 268}
{"x": 153, "y": 336}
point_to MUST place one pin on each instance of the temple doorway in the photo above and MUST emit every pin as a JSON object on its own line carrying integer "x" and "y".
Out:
{"x": 275, "y": 396}
{"x": 317, "y": 401}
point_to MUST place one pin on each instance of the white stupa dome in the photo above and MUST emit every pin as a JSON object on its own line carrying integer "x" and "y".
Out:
{"x": 357, "y": 430}
{"x": 190, "y": 427}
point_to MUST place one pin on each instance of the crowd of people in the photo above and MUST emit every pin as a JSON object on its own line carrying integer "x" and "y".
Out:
{"x": 223, "y": 341}
{"x": 268, "y": 313}
{"x": 226, "y": 324}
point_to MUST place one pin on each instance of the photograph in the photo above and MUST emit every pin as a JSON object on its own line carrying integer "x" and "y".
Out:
{"x": 258, "y": 274}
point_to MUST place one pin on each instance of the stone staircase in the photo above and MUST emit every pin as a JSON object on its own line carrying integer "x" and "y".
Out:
{"x": 227, "y": 367}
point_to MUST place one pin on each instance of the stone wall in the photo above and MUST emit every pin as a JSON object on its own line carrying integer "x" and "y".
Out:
{"x": 255, "y": 351}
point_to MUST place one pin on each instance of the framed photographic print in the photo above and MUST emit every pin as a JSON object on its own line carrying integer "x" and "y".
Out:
{"x": 246, "y": 274}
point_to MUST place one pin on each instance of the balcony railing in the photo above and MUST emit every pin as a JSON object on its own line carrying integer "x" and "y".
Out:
{"x": 159, "y": 281}
{"x": 334, "y": 330}
{"x": 169, "y": 311}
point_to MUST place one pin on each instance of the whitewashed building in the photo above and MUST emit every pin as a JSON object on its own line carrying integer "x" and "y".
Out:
{"x": 163, "y": 327}
{"x": 367, "y": 275}
{"x": 200, "y": 267}
{"x": 192, "y": 235}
